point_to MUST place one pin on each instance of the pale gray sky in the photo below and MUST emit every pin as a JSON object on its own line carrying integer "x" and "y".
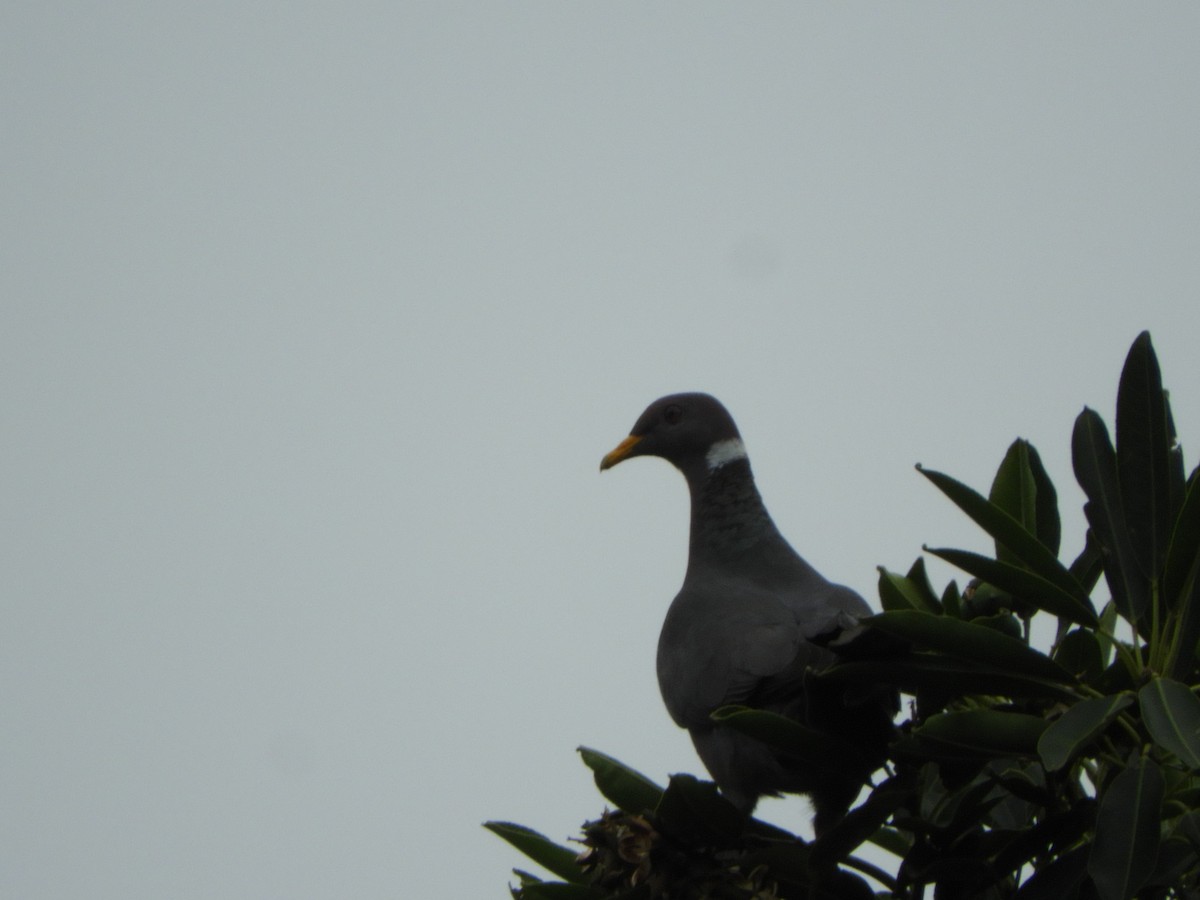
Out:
{"x": 317, "y": 319}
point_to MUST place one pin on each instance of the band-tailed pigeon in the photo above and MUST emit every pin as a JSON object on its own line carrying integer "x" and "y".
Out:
{"x": 743, "y": 628}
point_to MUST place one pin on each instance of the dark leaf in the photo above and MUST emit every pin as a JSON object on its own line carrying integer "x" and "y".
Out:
{"x": 952, "y": 600}
{"x": 1089, "y": 565}
{"x": 1128, "y": 829}
{"x": 1172, "y": 716}
{"x": 1013, "y": 491}
{"x": 1108, "y": 624}
{"x": 985, "y": 731}
{"x": 1049, "y": 526}
{"x": 621, "y": 786}
{"x": 543, "y": 851}
{"x": 1175, "y": 450}
{"x": 695, "y": 810}
{"x": 1077, "y": 728}
{"x": 1143, "y": 456}
{"x": 1079, "y": 652}
{"x": 1023, "y": 584}
{"x": 919, "y": 579}
{"x": 865, "y": 822}
{"x": 1183, "y": 555}
{"x": 969, "y": 641}
{"x": 817, "y": 749}
{"x": 894, "y": 841}
{"x": 1182, "y": 590}
{"x": 1095, "y": 463}
{"x": 950, "y": 677}
{"x": 1062, "y": 829}
{"x": 897, "y": 592}
{"x": 1175, "y": 856}
{"x": 1059, "y": 880}
{"x": 1011, "y": 533}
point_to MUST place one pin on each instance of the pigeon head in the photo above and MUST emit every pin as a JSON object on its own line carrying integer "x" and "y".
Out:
{"x": 693, "y": 432}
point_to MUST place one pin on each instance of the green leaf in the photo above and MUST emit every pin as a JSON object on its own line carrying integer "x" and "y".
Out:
{"x": 1089, "y": 565}
{"x": 543, "y": 851}
{"x": 1172, "y": 716}
{"x": 1079, "y": 652}
{"x": 1095, "y": 464}
{"x": 901, "y": 592}
{"x": 1128, "y": 830}
{"x": 1077, "y": 728}
{"x": 696, "y": 811}
{"x": 623, "y": 787}
{"x": 1022, "y": 584}
{"x": 894, "y": 841}
{"x": 1175, "y": 857}
{"x": 1057, "y": 880}
{"x": 1143, "y": 458}
{"x": 985, "y": 731}
{"x": 919, "y": 578}
{"x": 969, "y": 641}
{"x": 1104, "y": 634}
{"x": 865, "y": 822}
{"x": 1049, "y": 525}
{"x": 1011, "y": 533}
{"x": 816, "y": 749}
{"x": 1013, "y": 490}
{"x": 952, "y": 600}
{"x": 1183, "y": 554}
{"x": 943, "y": 676}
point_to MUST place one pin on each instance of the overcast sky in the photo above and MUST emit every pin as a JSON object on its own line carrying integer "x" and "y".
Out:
{"x": 317, "y": 319}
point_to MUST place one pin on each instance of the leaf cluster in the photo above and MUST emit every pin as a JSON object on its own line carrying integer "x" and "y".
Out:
{"x": 1064, "y": 771}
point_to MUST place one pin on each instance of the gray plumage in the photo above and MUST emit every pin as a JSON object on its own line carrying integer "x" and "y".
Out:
{"x": 743, "y": 627}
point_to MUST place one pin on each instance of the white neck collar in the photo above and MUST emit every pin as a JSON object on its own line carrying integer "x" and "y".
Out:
{"x": 726, "y": 451}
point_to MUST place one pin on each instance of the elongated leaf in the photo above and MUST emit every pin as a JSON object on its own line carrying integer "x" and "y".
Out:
{"x": 952, "y": 600}
{"x": 1183, "y": 553}
{"x": 1175, "y": 857}
{"x": 897, "y": 592}
{"x": 1128, "y": 830}
{"x": 1095, "y": 464}
{"x": 985, "y": 731}
{"x": 817, "y": 749}
{"x": 1104, "y": 634}
{"x": 1089, "y": 565}
{"x": 1023, "y": 584}
{"x": 696, "y": 811}
{"x": 1175, "y": 450}
{"x": 1014, "y": 491}
{"x": 1184, "y": 587}
{"x": 543, "y": 851}
{"x": 1143, "y": 460}
{"x": 1009, "y": 532}
{"x": 1049, "y": 525}
{"x": 865, "y": 822}
{"x": 621, "y": 786}
{"x": 919, "y": 578}
{"x": 1172, "y": 716}
{"x": 1077, "y": 728}
{"x": 894, "y": 841}
{"x": 1080, "y": 653}
{"x": 969, "y": 641}
{"x": 951, "y": 677}
{"x": 1058, "y": 879}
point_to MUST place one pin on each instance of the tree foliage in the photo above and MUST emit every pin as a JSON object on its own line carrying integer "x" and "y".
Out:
{"x": 1062, "y": 772}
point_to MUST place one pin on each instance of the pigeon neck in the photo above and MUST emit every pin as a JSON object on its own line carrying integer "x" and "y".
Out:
{"x": 728, "y": 516}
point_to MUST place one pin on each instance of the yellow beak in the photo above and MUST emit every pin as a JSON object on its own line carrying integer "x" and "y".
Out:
{"x": 619, "y": 452}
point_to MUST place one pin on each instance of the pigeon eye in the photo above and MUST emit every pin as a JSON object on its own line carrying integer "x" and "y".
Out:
{"x": 672, "y": 414}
